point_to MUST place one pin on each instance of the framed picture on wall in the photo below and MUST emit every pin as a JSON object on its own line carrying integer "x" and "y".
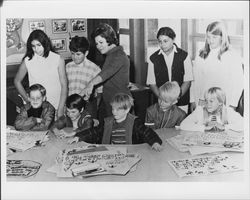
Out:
{"x": 59, "y": 26}
{"x": 78, "y": 25}
{"x": 59, "y": 44}
{"x": 34, "y": 25}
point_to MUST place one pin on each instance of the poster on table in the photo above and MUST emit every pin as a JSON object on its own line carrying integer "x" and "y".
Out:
{"x": 205, "y": 165}
{"x": 98, "y": 160}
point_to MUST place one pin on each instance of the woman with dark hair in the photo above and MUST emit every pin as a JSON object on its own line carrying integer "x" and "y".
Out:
{"x": 115, "y": 71}
{"x": 170, "y": 63}
{"x": 218, "y": 65}
{"x": 44, "y": 67}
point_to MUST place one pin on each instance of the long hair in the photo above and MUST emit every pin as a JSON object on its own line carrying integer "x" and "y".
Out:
{"x": 216, "y": 28}
{"x": 221, "y": 96}
{"x": 41, "y": 37}
{"x": 107, "y": 32}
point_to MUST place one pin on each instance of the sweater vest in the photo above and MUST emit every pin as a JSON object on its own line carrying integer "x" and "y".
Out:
{"x": 128, "y": 129}
{"x": 161, "y": 71}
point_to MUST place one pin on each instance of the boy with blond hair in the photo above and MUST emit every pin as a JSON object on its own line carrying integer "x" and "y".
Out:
{"x": 165, "y": 113}
{"x": 125, "y": 128}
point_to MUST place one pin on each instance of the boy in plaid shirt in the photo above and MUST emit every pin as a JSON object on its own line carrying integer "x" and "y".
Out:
{"x": 80, "y": 71}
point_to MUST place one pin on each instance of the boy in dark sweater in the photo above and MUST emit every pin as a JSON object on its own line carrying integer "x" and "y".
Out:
{"x": 77, "y": 122}
{"x": 125, "y": 128}
{"x": 38, "y": 114}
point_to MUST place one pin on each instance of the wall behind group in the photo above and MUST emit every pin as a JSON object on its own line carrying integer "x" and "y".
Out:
{"x": 58, "y": 30}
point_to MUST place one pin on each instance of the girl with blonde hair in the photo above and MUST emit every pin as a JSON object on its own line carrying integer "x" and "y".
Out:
{"x": 214, "y": 115}
{"x": 218, "y": 65}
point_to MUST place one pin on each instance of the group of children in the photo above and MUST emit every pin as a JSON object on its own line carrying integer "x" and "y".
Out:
{"x": 122, "y": 127}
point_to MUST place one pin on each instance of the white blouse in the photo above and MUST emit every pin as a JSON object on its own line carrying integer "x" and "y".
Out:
{"x": 45, "y": 72}
{"x": 226, "y": 73}
{"x": 195, "y": 121}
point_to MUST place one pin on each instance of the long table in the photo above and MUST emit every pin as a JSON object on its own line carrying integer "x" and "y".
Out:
{"x": 152, "y": 167}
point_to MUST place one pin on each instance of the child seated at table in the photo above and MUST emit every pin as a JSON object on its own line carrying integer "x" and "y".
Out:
{"x": 125, "y": 128}
{"x": 165, "y": 113}
{"x": 77, "y": 121}
{"x": 214, "y": 116}
{"x": 38, "y": 114}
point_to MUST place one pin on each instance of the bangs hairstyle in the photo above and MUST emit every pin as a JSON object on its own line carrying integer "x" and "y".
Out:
{"x": 79, "y": 44}
{"x": 41, "y": 37}
{"x": 166, "y": 31}
{"x": 216, "y": 28}
{"x": 75, "y": 101}
{"x": 216, "y": 92}
{"x": 122, "y": 101}
{"x": 38, "y": 87}
{"x": 107, "y": 32}
{"x": 170, "y": 91}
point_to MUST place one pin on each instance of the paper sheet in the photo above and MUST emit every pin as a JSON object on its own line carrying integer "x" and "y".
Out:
{"x": 110, "y": 160}
{"x": 23, "y": 140}
{"x": 205, "y": 165}
{"x": 200, "y": 143}
{"x": 22, "y": 168}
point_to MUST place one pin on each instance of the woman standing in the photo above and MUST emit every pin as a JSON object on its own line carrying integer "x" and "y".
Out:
{"x": 218, "y": 65}
{"x": 44, "y": 67}
{"x": 115, "y": 71}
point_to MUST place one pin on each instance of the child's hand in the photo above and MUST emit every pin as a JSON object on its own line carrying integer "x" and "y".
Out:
{"x": 156, "y": 146}
{"x": 65, "y": 133}
{"x": 56, "y": 132}
{"x": 220, "y": 126}
{"x": 72, "y": 140}
{"x": 38, "y": 120}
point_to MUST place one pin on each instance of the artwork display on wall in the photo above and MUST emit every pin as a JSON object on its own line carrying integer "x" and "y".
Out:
{"x": 34, "y": 25}
{"x": 59, "y": 26}
{"x": 19, "y": 29}
{"x": 78, "y": 25}
{"x": 59, "y": 44}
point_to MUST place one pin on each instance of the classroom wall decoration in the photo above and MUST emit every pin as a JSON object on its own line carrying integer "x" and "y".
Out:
{"x": 59, "y": 44}
{"x": 34, "y": 25}
{"x": 14, "y": 42}
{"x": 78, "y": 25}
{"x": 58, "y": 30}
{"x": 59, "y": 26}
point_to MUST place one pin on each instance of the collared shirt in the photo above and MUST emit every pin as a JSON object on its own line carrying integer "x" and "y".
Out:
{"x": 188, "y": 76}
{"x": 80, "y": 75}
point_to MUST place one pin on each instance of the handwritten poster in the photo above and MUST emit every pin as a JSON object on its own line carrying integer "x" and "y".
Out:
{"x": 92, "y": 161}
{"x": 23, "y": 140}
{"x": 22, "y": 168}
{"x": 205, "y": 165}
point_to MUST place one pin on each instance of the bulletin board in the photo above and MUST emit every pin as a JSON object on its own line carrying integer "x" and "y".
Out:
{"x": 58, "y": 30}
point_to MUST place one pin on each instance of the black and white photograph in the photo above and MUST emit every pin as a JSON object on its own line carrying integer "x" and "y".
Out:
{"x": 78, "y": 25}
{"x": 125, "y": 104}
{"x": 59, "y": 44}
{"x": 34, "y": 25}
{"x": 59, "y": 26}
